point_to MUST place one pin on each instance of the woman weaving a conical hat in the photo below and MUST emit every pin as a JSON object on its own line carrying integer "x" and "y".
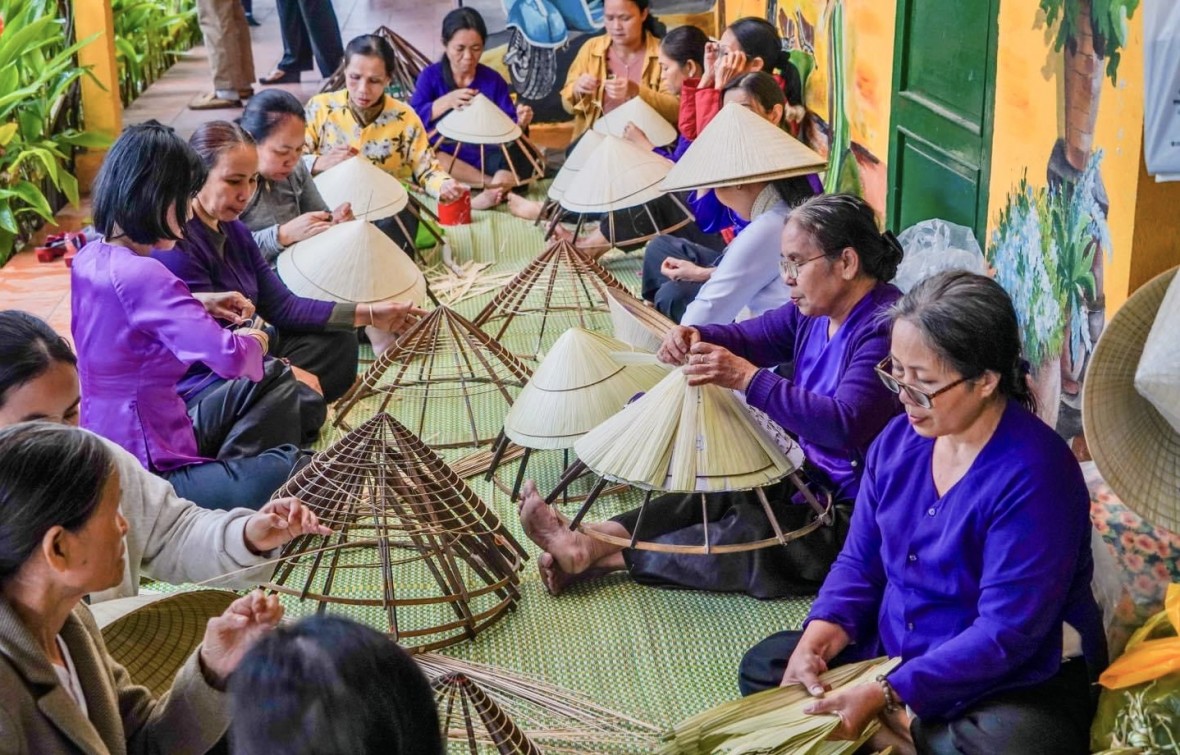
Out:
{"x": 829, "y": 337}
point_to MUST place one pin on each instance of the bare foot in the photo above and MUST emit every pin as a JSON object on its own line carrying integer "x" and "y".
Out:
{"x": 561, "y": 233}
{"x": 557, "y": 579}
{"x": 572, "y": 552}
{"x": 523, "y": 208}
{"x": 487, "y": 199}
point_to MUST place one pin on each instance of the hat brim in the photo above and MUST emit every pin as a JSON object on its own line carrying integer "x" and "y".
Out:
{"x": 689, "y": 182}
{"x": 1136, "y": 449}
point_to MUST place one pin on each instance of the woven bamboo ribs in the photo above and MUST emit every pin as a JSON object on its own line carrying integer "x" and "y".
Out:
{"x": 562, "y": 288}
{"x": 410, "y": 540}
{"x": 443, "y": 356}
{"x": 636, "y": 324}
{"x": 460, "y": 701}
{"x": 407, "y": 67}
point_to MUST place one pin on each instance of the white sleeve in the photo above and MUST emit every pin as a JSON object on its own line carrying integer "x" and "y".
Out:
{"x": 750, "y": 263}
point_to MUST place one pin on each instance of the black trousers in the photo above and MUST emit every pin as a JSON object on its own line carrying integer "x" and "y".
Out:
{"x": 673, "y": 297}
{"x": 404, "y": 234}
{"x": 330, "y": 355}
{"x": 309, "y": 27}
{"x": 1050, "y": 718}
{"x": 637, "y": 222}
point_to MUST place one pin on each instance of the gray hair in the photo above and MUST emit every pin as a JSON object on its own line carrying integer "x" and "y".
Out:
{"x": 840, "y": 221}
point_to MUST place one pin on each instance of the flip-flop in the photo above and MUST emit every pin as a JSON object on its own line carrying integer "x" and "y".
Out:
{"x": 279, "y": 76}
{"x": 210, "y": 101}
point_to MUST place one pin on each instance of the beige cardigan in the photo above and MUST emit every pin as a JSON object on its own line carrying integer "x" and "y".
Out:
{"x": 38, "y": 717}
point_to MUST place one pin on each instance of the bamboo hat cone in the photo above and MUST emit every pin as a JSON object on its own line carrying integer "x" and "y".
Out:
{"x": 456, "y": 696}
{"x": 636, "y": 324}
{"x": 480, "y": 122}
{"x": 1135, "y": 447}
{"x": 738, "y": 147}
{"x": 576, "y": 387}
{"x": 574, "y": 163}
{"x": 351, "y": 262}
{"x": 373, "y": 193}
{"x": 658, "y": 131}
{"x": 678, "y": 438}
{"x": 617, "y": 175}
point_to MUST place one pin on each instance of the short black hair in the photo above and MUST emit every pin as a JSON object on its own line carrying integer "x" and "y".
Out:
{"x": 329, "y": 686}
{"x": 35, "y": 497}
{"x": 685, "y": 43}
{"x": 458, "y": 20}
{"x": 148, "y": 171}
{"x": 213, "y": 139}
{"x": 267, "y": 109}
{"x": 373, "y": 46}
{"x": 28, "y": 348}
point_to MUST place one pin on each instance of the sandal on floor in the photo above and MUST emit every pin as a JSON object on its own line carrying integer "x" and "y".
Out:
{"x": 279, "y": 76}
{"x": 210, "y": 101}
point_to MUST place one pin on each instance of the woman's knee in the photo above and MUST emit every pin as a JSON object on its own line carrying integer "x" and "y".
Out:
{"x": 763, "y": 665}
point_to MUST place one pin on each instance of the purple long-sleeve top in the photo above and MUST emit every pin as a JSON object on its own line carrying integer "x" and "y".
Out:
{"x": 431, "y": 85}
{"x": 969, "y": 588}
{"x": 137, "y": 328}
{"x": 833, "y": 401}
{"x": 231, "y": 261}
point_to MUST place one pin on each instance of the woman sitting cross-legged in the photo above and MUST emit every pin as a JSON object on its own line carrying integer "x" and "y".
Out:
{"x": 829, "y": 338}
{"x": 969, "y": 556}
{"x": 60, "y": 691}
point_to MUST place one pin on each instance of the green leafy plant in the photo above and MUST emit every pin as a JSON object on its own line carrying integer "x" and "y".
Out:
{"x": 149, "y": 34}
{"x": 1108, "y": 20}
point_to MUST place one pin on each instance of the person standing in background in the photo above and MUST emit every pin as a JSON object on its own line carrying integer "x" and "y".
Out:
{"x": 309, "y": 27}
{"x": 227, "y": 37}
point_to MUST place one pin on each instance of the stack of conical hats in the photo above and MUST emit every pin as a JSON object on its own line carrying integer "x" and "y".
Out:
{"x": 574, "y": 163}
{"x": 681, "y": 438}
{"x": 617, "y": 175}
{"x": 740, "y": 147}
{"x": 636, "y": 324}
{"x": 657, "y": 130}
{"x": 351, "y": 262}
{"x": 373, "y": 193}
{"x": 576, "y": 387}
{"x": 481, "y": 121}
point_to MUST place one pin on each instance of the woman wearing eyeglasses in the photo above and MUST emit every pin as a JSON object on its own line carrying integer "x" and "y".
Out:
{"x": 828, "y": 339}
{"x": 969, "y": 553}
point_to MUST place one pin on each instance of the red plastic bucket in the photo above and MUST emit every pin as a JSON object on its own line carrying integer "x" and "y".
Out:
{"x": 457, "y": 212}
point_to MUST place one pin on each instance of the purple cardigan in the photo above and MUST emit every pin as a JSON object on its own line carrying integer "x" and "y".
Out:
{"x": 834, "y": 416}
{"x": 431, "y": 85}
{"x": 137, "y": 328}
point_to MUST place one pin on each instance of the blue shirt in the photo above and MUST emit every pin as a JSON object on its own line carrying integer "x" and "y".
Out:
{"x": 431, "y": 85}
{"x": 969, "y": 588}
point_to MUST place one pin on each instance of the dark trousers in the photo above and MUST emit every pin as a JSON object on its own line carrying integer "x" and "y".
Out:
{"x": 248, "y": 481}
{"x": 673, "y": 297}
{"x": 330, "y": 355}
{"x": 649, "y": 219}
{"x": 309, "y": 27}
{"x": 1050, "y": 718}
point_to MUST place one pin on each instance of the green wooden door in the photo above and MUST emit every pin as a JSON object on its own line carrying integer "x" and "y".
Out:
{"x": 944, "y": 72}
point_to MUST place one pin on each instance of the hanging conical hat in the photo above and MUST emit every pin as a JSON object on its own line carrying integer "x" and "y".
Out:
{"x": 574, "y": 163}
{"x": 373, "y": 193}
{"x": 679, "y": 438}
{"x": 479, "y": 122}
{"x": 617, "y": 175}
{"x": 658, "y": 131}
{"x": 578, "y": 386}
{"x": 738, "y": 147}
{"x": 351, "y": 262}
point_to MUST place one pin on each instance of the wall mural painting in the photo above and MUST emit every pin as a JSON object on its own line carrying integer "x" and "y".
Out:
{"x": 1052, "y": 241}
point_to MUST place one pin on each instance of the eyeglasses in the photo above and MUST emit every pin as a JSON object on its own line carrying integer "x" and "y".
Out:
{"x": 919, "y": 397}
{"x": 791, "y": 268}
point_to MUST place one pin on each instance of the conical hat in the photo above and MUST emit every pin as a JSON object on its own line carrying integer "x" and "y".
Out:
{"x": 351, "y": 262}
{"x": 574, "y": 163}
{"x": 737, "y": 147}
{"x": 617, "y": 175}
{"x": 479, "y": 122}
{"x": 578, "y": 386}
{"x": 658, "y": 131}
{"x": 373, "y": 193}
{"x": 678, "y": 438}
{"x": 635, "y": 323}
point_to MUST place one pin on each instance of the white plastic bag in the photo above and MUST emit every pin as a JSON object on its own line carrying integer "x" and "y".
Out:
{"x": 1161, "y": 90}
{"x": 933, "y": 246}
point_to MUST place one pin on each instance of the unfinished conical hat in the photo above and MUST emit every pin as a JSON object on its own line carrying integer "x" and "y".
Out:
{"x": 617, "y": 175}
{"x": 351, "y": 262}
{"x": 658, "y": 131}
{"x": 737, "y": 147}
{"x": 373, "y": 193}
{"x": 574, "y": 163}
{"x": 457, "y": 696}
{"x": 635, "y": 323}
{"x": 681, "y": 438}
{"x": 577, "y": 387}
{"x": 481, "y": 121}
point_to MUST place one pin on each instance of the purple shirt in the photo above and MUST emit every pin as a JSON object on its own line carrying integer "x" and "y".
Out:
{"x": 970, "y": 588}
{"x": 431, "y": 85}
{"x": 834, "y": 403}
{"x": 137, "y": 329}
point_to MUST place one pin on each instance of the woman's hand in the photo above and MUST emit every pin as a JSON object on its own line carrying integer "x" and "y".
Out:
{"x": 586, "y": 84}
{"x": 619, "y": 89}
{"x": 683, "y": 270}
{"x": 524, "y": 115}
{"x": 729, "y": 67}
{"x": 343, "y": 213}
{"x": 712, "y": 53}
{"x": 635, "y": 135}
{"x": 716, "y": 365}
{"x": 279, "y": 522}
{"x": 390, "y": 316}
{"x": 856, "y": 706}
{"x": 258, "y": 335}
{"x": 457, "y": 99}
{"x": 805, "y": 667}
{"x": 451, "y": 191}
{"x": 230, "y": 635}
{"x": 307, "y": 378}
{"x": 304, "y": 227}
{"x": 332, "y": 158}
{"x": 230, "y": 306}
{"x": 676, "y": 345}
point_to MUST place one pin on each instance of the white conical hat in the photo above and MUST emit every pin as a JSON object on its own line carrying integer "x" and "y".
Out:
{"x": 737, "y": 147}
{"x": 635, "y": 323}
{"x": 678, "y": 438}
{"x": 617, "y": 175}
{"x": 578, "y": 386}
{"x": 658, "y": 131}
{"x": 479, "y": 122}
{"x": 373, "y": 193}
{"x": 574, "y": 163}
{"x": 351, "y": 262}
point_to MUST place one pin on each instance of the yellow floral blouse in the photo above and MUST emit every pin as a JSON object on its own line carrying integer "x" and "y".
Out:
{"x": 395, "y": 142}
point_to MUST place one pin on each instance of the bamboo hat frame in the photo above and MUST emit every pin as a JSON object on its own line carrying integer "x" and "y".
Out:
{"x": 351, "y": 262}
{"x": 636, "y": 324}
{"x": 408, "y": 64}
{"x": 484, "y": 125}
{"x": 445, "y": 566}
{"x": 657, "y": 130}
{"x": 740, "y": 147}
{"x": 467, "y": 714}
